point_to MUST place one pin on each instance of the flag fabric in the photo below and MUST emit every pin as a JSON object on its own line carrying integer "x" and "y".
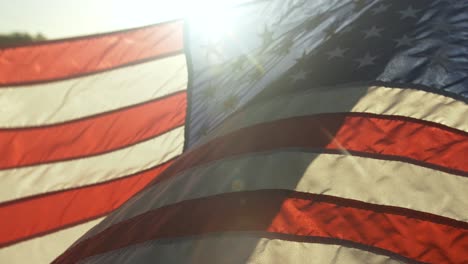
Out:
{"x": 85, "y": 124}
{"x": 316, "y": 131}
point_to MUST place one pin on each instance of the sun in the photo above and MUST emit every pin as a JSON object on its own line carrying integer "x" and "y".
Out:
{"x": 213, "y": 23}
{"x": 206, "y": 13}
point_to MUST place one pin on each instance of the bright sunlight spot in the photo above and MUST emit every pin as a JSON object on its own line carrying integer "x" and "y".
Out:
{"x": 66, "y": 18}
{"x": 206, "y": 13}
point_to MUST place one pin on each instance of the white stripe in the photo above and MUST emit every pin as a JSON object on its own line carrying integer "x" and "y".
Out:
{"x": 237, "y": 248}
{"x": 46, "y": 248}
{"x": 26, "y": 181}
{"x": 369, "y": 180}
{"x": 376, "y": 100}
{"x": 61, "y": 101}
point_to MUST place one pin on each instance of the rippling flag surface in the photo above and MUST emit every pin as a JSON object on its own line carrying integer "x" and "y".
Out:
{"x": 315, "y": 131}
{"x": 85, "y": 124}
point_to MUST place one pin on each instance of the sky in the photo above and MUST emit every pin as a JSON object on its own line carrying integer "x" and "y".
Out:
{"x": 66, "y": 18}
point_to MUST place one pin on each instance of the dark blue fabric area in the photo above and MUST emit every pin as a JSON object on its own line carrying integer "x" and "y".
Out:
{"x": 268, "y": 48}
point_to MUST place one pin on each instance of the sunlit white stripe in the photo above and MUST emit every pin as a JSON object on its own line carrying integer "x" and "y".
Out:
{"x": 27, "y": 181}
{"x": 56, "y": 102}
{"x": 376, "y": 100}
{"x": 238, "y": 248}
{"x": 44, "y": 249}
{"x": 369, "y": 180}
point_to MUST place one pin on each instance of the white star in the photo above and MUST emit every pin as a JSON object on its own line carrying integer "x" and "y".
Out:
{"x": 299, "y": 76}
{"x": 409, "y": 12}
{"x": 381, "y": 8}
{"x": 404, "y": 41}
{"x": 373, "y": 32}
{"x": 441, "y": 59}
{"x": 366, "y": 60}
{"x": 336, "y": 53}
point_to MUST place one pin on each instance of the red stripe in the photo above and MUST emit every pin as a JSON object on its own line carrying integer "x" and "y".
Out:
{"x": 282, "y": 212}
{"x": 91, "y": 136}
{"x": 386, "y": 137}
{"x": 69, "y": 58}
{"x": 31, "y": 217}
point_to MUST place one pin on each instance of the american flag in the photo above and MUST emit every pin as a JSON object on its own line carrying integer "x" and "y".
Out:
{"x": 304, "y": 131}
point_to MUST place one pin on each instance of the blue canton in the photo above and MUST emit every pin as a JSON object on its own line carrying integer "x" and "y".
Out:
{"x": 278, "y": 46}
